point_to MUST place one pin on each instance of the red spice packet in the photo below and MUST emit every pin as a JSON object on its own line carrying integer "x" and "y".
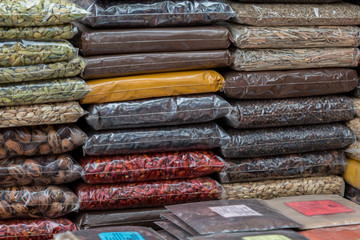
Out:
{"x": 335, "y": 233}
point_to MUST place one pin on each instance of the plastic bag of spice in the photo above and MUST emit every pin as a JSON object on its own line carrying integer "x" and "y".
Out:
{"x": 270, "y": 189}
{"x": 108, "y": 66}
{"x": 34, "y": 229}
{"x": 37, "y": 202}
{"x": 286, "y": 140}
{"x": 46, "y": 91}
{"x": 161, "y": 139}
{"x": 294, "y": 37}
{"x": 39, "y": 170}
{"x": 351, "y": 175}
{"x": 165, "y": 235}
{"x": 356, "y": 92}
{"x": 231, "y": 216}
{"x": 174, "y": 230}
{"x": 40, "y": 140}
{"x": 157, "y": 112}
{"x": 318, "y": 211}
{"x": 178, "y": 222}
{"x": 92, "y": 42}
{"x": 154, "y": 13}
{"x": 357, "y": 106}
{"x": 153, "y": 85}
{"x": 354, "y": 125}
{"x": 289, "y": 84}
{"x": 284, "y": 166}
{"x": 353, "y": 151}
{"x": 334, "y": 233}
{"x": 352, "y": 193}
{"x": 290, "y": 112}
{"x": 149, "y": 167}
{"x": 337, "y": 14}
{"x": 148, "y": 194}
{"x": 288, "y": 59}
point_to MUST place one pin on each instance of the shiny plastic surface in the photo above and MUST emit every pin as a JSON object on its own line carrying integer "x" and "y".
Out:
{"x": 352, "y": 193}
{"x": 174, "y": 230}
{"x": 334, "y": 233}
{"x": 157, "y": 112}
{"x": 352, "y": 173}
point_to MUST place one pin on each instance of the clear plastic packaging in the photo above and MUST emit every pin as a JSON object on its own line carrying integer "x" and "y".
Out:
{"x": 267, "y": 14}
{"x": 23, "y": 52}
{"x": 39, "y": 170}
{"x": 37, "y": 202}
{"x": 34, "y": 229}
{"x": 231, "y": 216}
{"x": 46, "y": 91}
{"x": 352, "y": 173}
{"x": 108, "y": 66}
{"x": 286, "y": 140}
{"x": 92, "y": 42}
{"x": 353, "y": 151}
{"x": 165, "y": 235}
{"x": 356, "y": 92}
{"x": 154, "y": 13}
{"x": 56, "y": 70}
{"x": 284, "y": 166}
{"x": 40, "y": 140}
{"x": 154, "y": 85}
{"x": 289, "y": 59}
{"x": 288, "y": 1}
{"x": 149, "y": 194}
{"x": 354, "y": 125}
{"x": 289, "y": 84}
{"x": 157, "y": 112}
{"x": 333, "y": 233}
{"x": 40, "y": 114}
{"x": 290, "y": 112}
{"x": 352, "y": 193}
{"x": 161, "y": 139}
{"x": 173, "y": 229}
{"x": 178, "y": 222}
{"x": 270, "y": 189}
{"x": 357, "y": 106}
{"x": 149, "y": 167}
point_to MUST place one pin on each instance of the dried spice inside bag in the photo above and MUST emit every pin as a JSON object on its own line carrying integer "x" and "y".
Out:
{"x": 290, "y": 112}
{"x": 37, "y": 202}
{"x": 353, "y": 151}
{"x": 157, "y": 112}
{"x": 288, "y": 59}
{"x": 65, "y": 32}
{"x": 34, "y": 229}
{"x": 344, "y": 14}
{"x": 356, "y": 92}
{"x": 24, "y": 13}
{"x": 351, "y": 175}
{"x": 284, "y": 166}
{"x": 40, "y": 140}
{"x": 286, "y": 140}
{"x": 174, "y": 230}
{"x": 270, "y": 189}
{"x": 289, "y": 1}
{"x": 153, "y": 85}
{"x": 295, "y": 36}
{"x": 333, "y": 233}
{"x": 354, "y": 125}
{"x": 357, "y": 106}
{"x": 22, "y": 52}
{"x": 289, "y": 84}
{"x": 231, "y": 216}
{"x": 40, "y": 114}
{"x": 154, "y": 13}
{"x": 149, "y": 167}
{"x": 150, "y": 194}
{"x": 47, "y": 91}
{"x": 352, "y": 193}
{"x": 161, "y": 139}
{"x": 39, "y": 170}
{"x": 108, "y": 66}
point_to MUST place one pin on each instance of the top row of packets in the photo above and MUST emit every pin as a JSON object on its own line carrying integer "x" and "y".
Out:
{"x": 162, "y": 13}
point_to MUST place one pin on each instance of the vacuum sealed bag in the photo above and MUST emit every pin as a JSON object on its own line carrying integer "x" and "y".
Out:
{"x": 178, "y": 222}
{"x": 334, "y": 233}
{"x": 352, "y": 173}
{"x": 352, "y": 193}
{"x": 173, "y": 229}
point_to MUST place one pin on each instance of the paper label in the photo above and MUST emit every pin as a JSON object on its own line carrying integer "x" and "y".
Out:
{"x": 120, "y": 236}
{"x": 267, "y": 237}
{"x": 234, "y": 211}
{"x": 322, "y": 207}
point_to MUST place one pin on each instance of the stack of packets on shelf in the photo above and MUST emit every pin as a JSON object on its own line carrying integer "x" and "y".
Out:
{"x": 38, "y": 102}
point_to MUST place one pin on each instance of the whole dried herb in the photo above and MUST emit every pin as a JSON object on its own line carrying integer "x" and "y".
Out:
{"x": 22, "y": 52}
{"x": 40, "y": 170}
{"x": 161, "y": 139}
{"x": 150, "y": 194}
{"x": 286, "y": 140}
{"x": 352, "y": 193}
{"x": 47, "y": 91}
{"x": 157, "y": 112}
{"x": 34, "y": 229}
{"x": 65, "y": 32}
{"x": 282, "y": 59}
{"x": 284, "y": 166}
{"x": 290, "y": 112}
{"x": 149, "y": 167}
{"x": 37, "y": 202}
{"x": 270, "y": 189}
{"x": 57, "y": 70}
{"x": 344, "y": 14}
{"x": 23, "y": 13}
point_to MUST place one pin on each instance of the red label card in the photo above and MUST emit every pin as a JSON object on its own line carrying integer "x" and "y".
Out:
{"x": 323, "y": 207}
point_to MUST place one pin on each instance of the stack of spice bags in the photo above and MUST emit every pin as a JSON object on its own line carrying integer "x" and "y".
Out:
{"x": 285, "y": 130}
{"x": 38, "y": 87}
